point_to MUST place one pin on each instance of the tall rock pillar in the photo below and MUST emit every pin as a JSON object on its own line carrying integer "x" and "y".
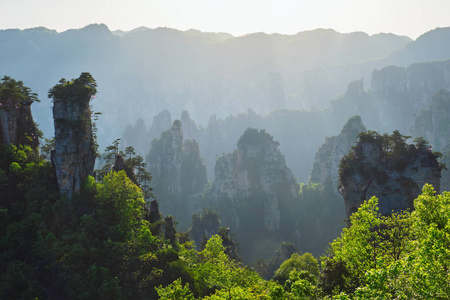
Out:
{"x": 16, "y": 122}
{"x": 74, "y": 154}
{"x": 387, "y": 167}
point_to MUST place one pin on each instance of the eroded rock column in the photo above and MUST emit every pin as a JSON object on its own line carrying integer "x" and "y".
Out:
{"x": 74, "y": 154}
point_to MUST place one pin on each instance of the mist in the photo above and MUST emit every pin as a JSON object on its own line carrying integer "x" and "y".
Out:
{"x": 300, "y": 89}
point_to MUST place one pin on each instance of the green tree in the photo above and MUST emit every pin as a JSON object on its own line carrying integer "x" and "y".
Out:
{"x": 81, "y": 88}
{"x": 426, "y": 275}
{"x": 126, "y": 203}
{"x": 175, "y": 291}
{"x": 369, "y": 247}
{"x": 16, "y": 91}
{"x": 305, "y": 262}
{"x": 47, "y": 148}
{"x": 300, "y": 285}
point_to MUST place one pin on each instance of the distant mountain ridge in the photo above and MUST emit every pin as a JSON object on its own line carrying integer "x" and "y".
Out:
{"x": 144, "y": 71}
{"x": 431, "y": 46}
{"x": 163, "y": 68}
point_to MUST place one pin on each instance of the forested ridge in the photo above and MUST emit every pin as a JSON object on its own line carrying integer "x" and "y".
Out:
{"x": 107, "y": 242}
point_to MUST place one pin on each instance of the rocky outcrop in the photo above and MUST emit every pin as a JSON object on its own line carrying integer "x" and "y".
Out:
{"x": 416, "y": 83}
{"x": 119, "y": 164}
{"x": 204, "y": 225}
{"x": 445, "y": 173}
{"x": 169, "y": 229}
{"x": 254, "y": 177}
{"x": 329, "y": 155}
{"x": 356, "y": 88}
{"x": 433, "y": 122}
{"x": 154, "y": 211}
{"x": 16, "y": 122}
{"x": 138, "y": 137}
{"x": 74, "y": 154}
{"x": 389, "y": 80}
{"x": 255, "y": 194}
{"x": 190, "y": 129}
{"x": 320, "y": 202}
{"x": 160, "y": 123}
{"x": 386, "y": 167}
{"x": 178, "y": 172}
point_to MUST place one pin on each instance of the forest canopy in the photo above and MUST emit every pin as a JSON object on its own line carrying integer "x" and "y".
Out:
{"x": 108, "y": 243}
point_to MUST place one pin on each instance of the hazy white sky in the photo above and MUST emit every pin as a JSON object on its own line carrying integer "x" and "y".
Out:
{"x": 238, "y": 17}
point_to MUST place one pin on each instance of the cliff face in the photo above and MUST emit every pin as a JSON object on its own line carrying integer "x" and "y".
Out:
{"x": 254, "y": 176}
{"x": 329, "y": 155}
{"x": 190, "y": 129}
{"x": 140, "y": 137}
{"x": 388, "y": 168}
{"x": 165, "y": 160}
{"x": 416, "y": 83}
{"x": 433, "y": 122}
{"x": 16, "y": 121}
{"x": 255, "y": 194}
{"x": 16, "y": 124}
{"x": 445, "y": 174}
{"x": 74, "y": 154}
{"x": 178, "y": 171}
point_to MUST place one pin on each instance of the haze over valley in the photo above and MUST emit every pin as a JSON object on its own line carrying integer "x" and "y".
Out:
{"x": 212, "y": 76}
{"x": 152, "y": 162}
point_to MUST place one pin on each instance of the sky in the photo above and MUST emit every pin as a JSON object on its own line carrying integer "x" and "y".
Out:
{"x": 238, "y": 17}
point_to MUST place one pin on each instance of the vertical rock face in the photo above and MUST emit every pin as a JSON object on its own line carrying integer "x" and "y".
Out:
{"x": 389, "y": 80}
{"x": 189, "y": 127}
{"x": 254, "y": 176}
{"x": 433, "y": 122}
{"x": 445, "y": 173}
{"x": 416, "y": 83}
{"x": 255, "y": 193}
{"x": 178, "y": 172}
{"x": 356, "y": 88}
{"x": 165, "y": 160}
{"x": 137, "y": 136}
{"x": 154, "y": 211}
{"x": 169, "y": 229}
{"x": 74, "y": 155}
{"x": 204, "y": 224}
{"x": 329, "y": 155}
{"x": 119, "y": 163}
{"x": 16, "y": 122}
{"x": 193, "y": 169}
{"x": 386, "y": 167}
{"x": 160, "y": 123}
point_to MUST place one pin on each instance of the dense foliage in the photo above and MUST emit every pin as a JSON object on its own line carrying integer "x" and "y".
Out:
{"x": 320, "y": 216}
{"x": 401, "y": 256}
{"x": 101, "y": 245}
{"x": 15, "y": 91}
{"x": 15, "y": 101}
{"x": 51, "y": 248}
{"x": 393, "y": 150}
{"x": 253, "y": 136}
{"x": 105, "y": 243}
{"x": 178, "y": 172}
{"x": 133, "y": 165}
{"x": 81, "y": 88}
